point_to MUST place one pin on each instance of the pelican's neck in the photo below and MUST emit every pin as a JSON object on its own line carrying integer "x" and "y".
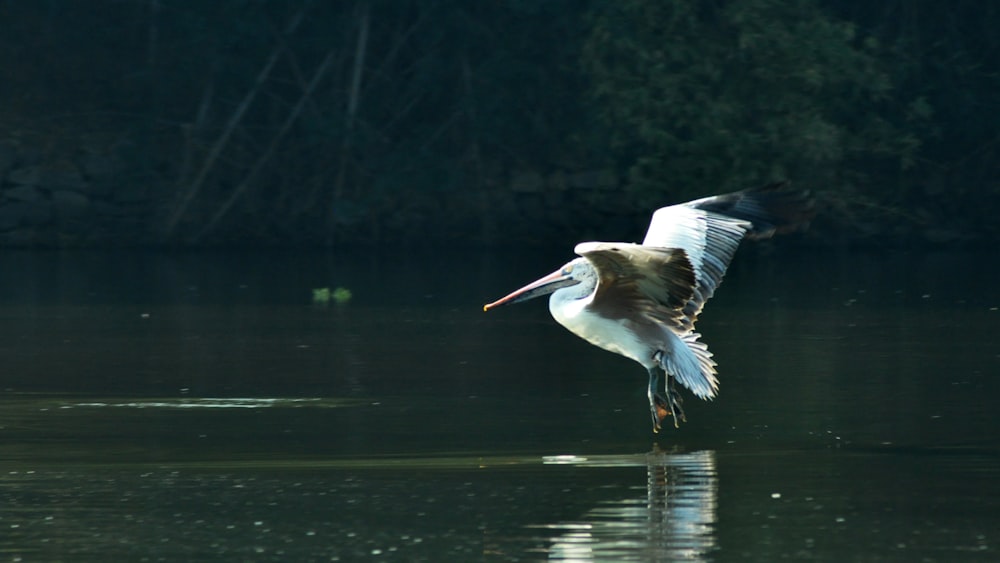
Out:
{"x": 567, "y": 303}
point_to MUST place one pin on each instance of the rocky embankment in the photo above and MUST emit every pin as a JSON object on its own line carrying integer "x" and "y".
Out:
{"x": 90, "y": 197}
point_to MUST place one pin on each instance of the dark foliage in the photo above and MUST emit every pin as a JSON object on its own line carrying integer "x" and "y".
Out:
{"x": 261, "y": 121}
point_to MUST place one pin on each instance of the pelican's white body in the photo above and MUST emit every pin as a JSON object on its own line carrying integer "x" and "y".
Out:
{"x": 680, "y": 355}
{"x": 570, "y": 309}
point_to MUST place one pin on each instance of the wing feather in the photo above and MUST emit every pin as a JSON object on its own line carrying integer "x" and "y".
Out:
{"x": 771, "y": 209}
{"x": 710, "y": 230}
{"x": 658, "y": 282}
{"x": 709, "y": 240}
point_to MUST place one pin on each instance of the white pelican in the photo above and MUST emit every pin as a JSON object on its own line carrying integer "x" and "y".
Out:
{"x": 642, "y": 300}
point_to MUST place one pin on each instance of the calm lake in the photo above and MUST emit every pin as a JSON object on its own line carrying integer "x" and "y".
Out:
{"x": 179, "y": 407}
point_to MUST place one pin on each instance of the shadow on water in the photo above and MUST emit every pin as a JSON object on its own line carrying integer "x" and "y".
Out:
{"x": 173, "y": 407}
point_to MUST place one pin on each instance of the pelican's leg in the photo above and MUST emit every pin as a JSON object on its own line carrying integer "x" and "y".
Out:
{"x": 659, "y": 406}
{"x": 664, "y": 405}
{"x": 675, "y": 402}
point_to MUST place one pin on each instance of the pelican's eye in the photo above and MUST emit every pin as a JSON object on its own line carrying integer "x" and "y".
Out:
{"x": 567, "y": 270}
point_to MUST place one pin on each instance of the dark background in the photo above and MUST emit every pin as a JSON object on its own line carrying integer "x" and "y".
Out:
{"x": 430, "y": 122}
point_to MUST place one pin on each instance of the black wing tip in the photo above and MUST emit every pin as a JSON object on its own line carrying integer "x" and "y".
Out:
{"x": 788, "y": 209}
{"x": 773, "y": 208}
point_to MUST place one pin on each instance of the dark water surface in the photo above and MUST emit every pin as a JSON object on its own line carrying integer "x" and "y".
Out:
{"x": 179, "y": 407}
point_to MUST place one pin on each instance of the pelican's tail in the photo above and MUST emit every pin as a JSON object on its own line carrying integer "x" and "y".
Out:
{"x": 691, "y": 364}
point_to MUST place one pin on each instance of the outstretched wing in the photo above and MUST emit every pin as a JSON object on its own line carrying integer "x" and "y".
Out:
{"x": 658, "y": 282}
{"x": 710, "y": 229}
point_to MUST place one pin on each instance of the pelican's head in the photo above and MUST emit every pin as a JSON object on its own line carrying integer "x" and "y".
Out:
{"x": 571, "y": 274}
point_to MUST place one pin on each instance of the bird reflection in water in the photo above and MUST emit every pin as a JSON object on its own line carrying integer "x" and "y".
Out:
{"x": 675, "y": 520}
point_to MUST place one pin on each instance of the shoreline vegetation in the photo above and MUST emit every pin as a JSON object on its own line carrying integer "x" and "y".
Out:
{"x": 423, "y": 123}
